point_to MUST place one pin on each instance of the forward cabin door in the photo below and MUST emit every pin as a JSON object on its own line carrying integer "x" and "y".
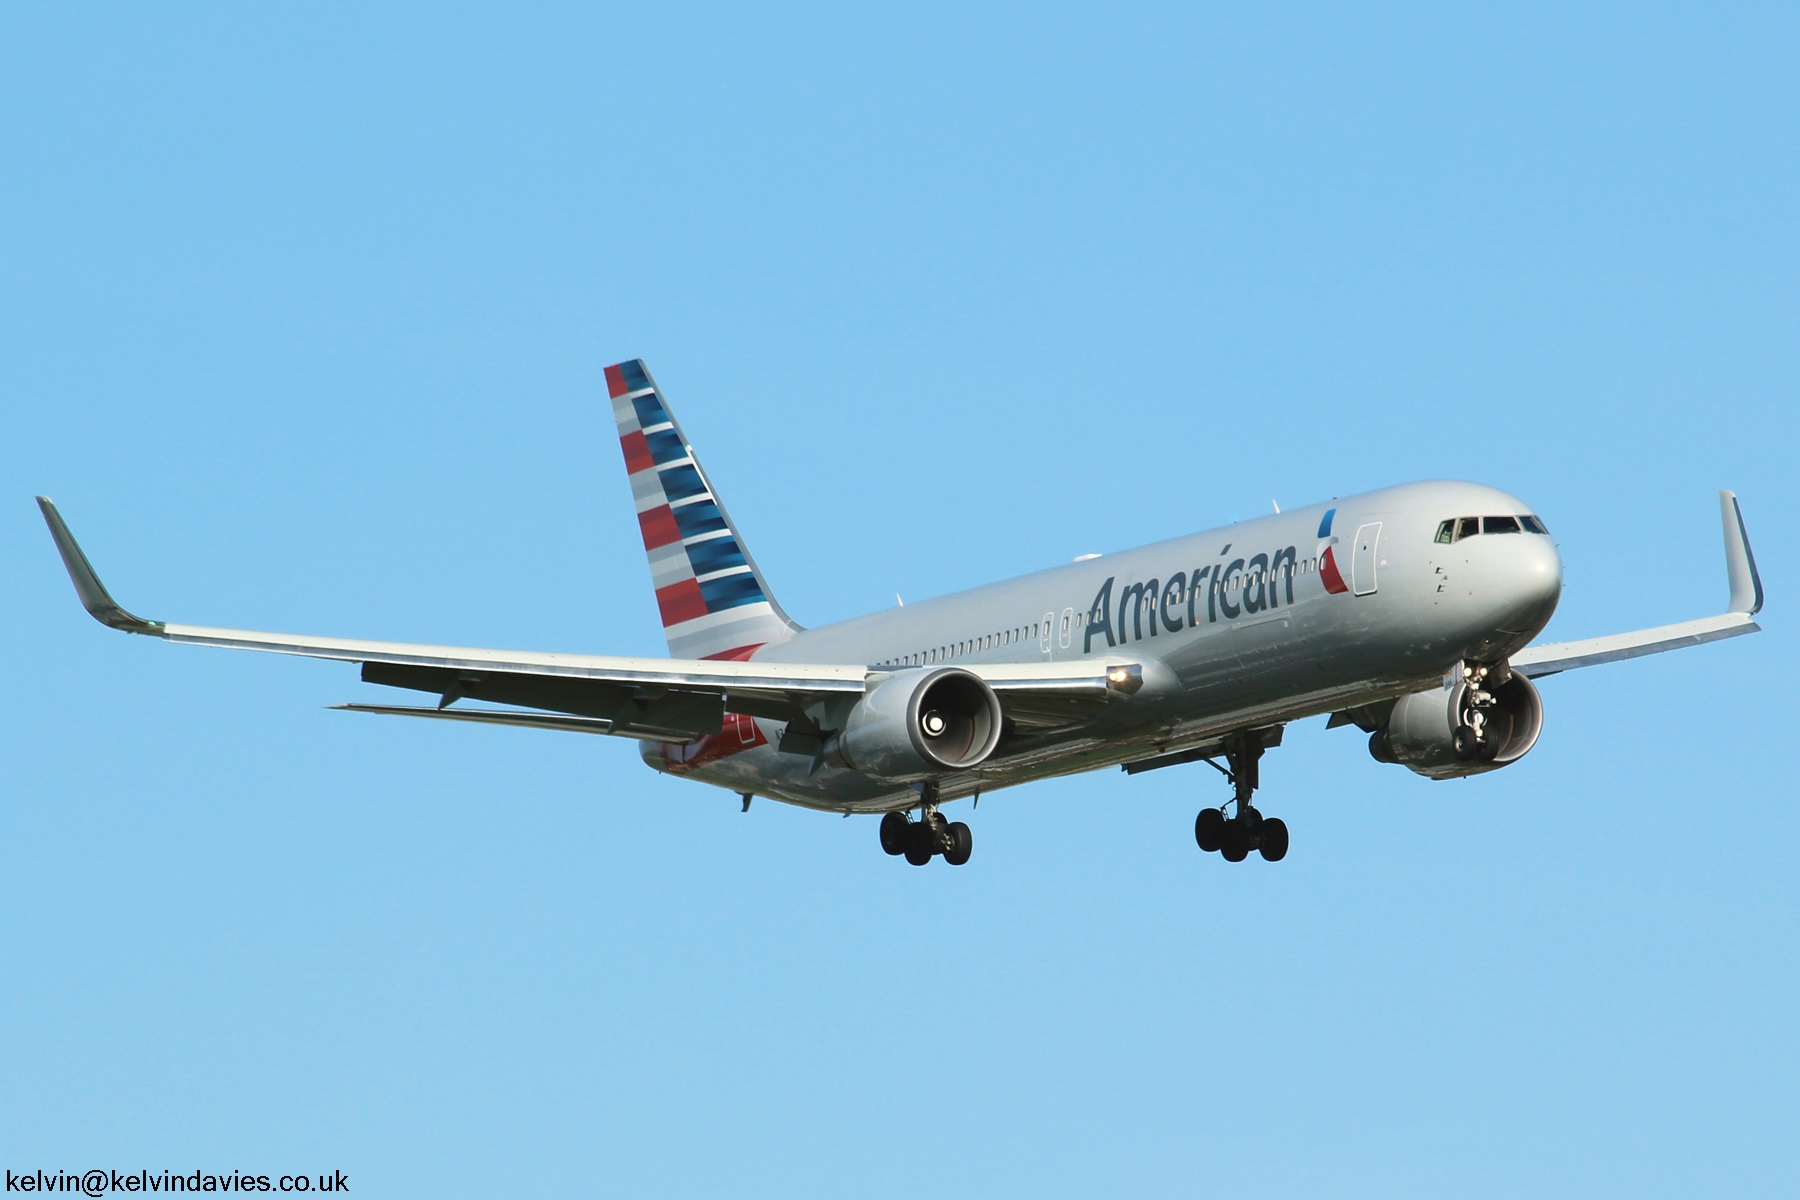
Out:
{"x": 1362, "y": 559}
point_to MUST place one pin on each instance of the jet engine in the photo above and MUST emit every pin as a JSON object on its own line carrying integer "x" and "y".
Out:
{"x": 1474, "y": 725}
{"x": 919, "y": 724}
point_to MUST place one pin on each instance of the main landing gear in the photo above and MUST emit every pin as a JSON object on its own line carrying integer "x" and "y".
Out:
{"x": 932, "y": 834}
{"x": 1235, "y": 837}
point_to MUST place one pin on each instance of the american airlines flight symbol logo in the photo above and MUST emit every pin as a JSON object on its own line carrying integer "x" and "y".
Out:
{"x": 1329, "y": 574}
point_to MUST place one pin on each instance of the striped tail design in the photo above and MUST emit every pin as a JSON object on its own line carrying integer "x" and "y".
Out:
{"x": 713, "y": 600}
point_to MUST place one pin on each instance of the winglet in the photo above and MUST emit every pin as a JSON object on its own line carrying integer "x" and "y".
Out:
{"x": 93, "y": 593}
{"x": 1740, "y": 563}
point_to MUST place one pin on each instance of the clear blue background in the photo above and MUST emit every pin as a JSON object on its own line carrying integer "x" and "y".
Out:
{"x": 303, "y": 322}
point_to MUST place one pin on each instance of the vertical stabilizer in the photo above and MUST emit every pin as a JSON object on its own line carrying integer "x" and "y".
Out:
{"x": 713, "y": 600}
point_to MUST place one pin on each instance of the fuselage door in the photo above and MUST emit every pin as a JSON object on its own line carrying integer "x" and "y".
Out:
{"x": 1045, "y": 633}
{"x": 1362, "y": 561}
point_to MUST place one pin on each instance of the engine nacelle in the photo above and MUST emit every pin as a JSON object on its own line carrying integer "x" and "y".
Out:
{"x": 919, "y": 724}
{"x": 1421, "y": 731}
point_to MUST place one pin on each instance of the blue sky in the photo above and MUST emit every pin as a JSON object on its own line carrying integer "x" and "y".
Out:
{"x": 304, "y": 315}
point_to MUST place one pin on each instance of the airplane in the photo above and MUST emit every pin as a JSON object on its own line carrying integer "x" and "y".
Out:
{"x": 1408, "y": 612}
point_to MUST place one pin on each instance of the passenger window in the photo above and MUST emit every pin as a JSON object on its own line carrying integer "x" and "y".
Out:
{"x": 1446, "y": 531}
{"x": 1467, "y": 527}
{"x": 1532, "y": 524}
{"x": 1499, "y": 524}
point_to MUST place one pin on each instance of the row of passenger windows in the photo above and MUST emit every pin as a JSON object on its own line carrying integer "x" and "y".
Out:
{"x": 1036, "y": 630}
{"x": 1008, "y": 637}
{"x": 1456, "y": 529}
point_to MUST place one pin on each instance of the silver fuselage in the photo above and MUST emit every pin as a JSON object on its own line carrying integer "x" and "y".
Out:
{"x": 1262, "y": 640}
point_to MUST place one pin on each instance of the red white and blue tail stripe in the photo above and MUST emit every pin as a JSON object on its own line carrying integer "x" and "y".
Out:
{"x": 713, "y": 600}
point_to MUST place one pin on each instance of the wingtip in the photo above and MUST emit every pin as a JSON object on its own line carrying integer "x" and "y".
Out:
{"x": 1740, "y": 560}
{"x": 92, "y": 593}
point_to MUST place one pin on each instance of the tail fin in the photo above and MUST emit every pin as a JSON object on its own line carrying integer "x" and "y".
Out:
{"x": 713, "y": 599}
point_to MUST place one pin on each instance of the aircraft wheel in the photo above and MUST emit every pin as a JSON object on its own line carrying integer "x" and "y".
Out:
{"x": 1465, "y": 743}
{"x": 1274, "y": 834}
{"x": 1209, "y": 829}
{"x": 1237, "y": 842}
{"x": 921, "y": 843}
{"x": 960, "y": 844}
{"x": 893, "y": 832}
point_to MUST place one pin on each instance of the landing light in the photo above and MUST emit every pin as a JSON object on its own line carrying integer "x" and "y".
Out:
{"x": 1127, "y": 679}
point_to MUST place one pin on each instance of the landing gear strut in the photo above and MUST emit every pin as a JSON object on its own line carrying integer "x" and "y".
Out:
{"x": 932, "y": 834}
{"x": 1235, "y": 837}
{"x": 1471, "y": 740}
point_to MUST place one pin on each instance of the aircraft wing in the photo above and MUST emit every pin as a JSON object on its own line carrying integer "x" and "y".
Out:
{"x": 655, "y": 698}
{"x": 1746, "y": 601}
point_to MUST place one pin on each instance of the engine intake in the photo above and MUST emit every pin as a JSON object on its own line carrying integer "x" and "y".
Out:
{"x": 1427, "y": 733}
{"x": 918, "y": 724}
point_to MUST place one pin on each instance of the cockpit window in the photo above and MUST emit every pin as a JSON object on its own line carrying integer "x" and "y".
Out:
{"x": 1458, "y": 528}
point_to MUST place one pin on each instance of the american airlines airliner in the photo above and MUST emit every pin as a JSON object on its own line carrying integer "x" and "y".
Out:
{"x": 1407, "y": 612}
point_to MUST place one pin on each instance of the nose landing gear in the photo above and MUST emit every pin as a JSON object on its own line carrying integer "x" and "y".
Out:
{"x": 1235, "y": 837}
{"x": 1470, "y": 741}
{"x": 931, "y": 835}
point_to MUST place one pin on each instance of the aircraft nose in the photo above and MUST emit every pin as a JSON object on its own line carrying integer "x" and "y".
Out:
{"x": 1530, "y": 583}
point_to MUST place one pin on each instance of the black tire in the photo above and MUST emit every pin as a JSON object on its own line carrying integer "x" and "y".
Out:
{"x": 1209, "y": 829}
{"x": 1465, "y": 743}
{"x": 1274, "y": 835}
{"x": 894, "y": 828}
{"x": 961, "y": 844}
{"x": 922, "y": 842}
{"x": 1237, "y": 842}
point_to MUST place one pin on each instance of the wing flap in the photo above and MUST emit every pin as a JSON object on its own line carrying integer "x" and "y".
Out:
{"x": 528, "y": 720}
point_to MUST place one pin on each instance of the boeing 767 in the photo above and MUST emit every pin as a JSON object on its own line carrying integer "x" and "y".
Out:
{"x": 1408, "y": 612}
